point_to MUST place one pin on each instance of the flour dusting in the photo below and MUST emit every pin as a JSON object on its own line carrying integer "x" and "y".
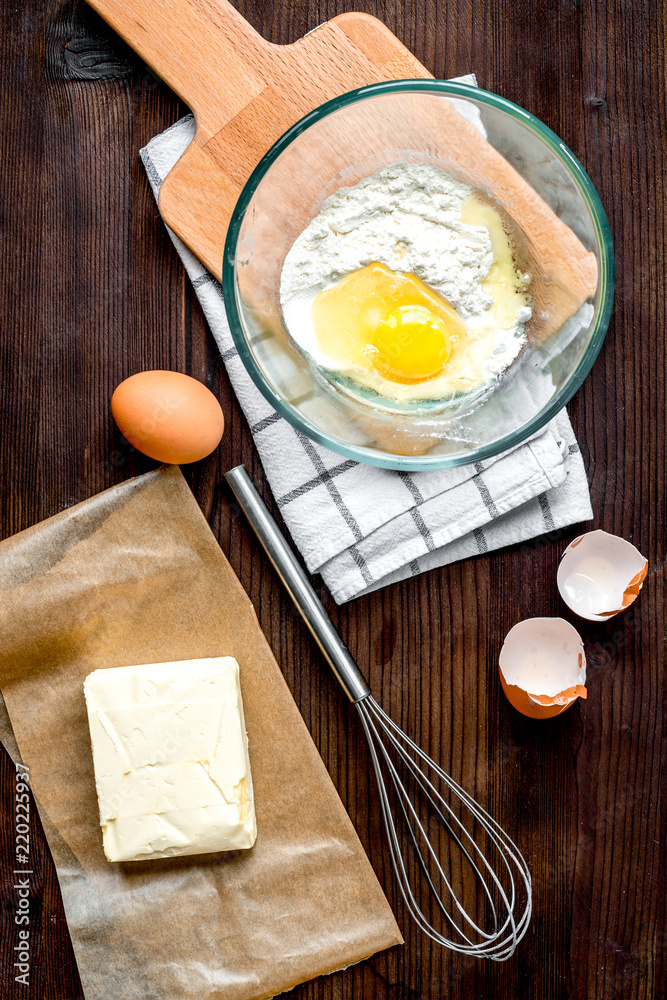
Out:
{"x": 408, "y": 217}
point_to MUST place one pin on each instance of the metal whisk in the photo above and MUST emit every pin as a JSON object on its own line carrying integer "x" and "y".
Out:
{"x": 491, "y": 875}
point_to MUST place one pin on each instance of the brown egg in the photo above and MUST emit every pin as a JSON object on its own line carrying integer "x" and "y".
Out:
{"x": 543, "y": 667}
{"x": 168, "y": 416}
{"x": 600, "y": 575}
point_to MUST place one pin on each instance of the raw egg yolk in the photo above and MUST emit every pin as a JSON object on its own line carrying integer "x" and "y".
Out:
{"x": 410, "y": 343}
{"x": 392, "y": 323}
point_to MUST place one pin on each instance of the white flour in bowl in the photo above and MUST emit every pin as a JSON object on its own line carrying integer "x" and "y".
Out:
{"x": 408, "y": 217}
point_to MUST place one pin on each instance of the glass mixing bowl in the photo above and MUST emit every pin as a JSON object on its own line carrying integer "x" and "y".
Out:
{"x": 352, "y": 137}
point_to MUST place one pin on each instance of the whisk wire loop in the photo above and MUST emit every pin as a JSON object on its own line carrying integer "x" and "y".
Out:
{"x": 386, "y": 738}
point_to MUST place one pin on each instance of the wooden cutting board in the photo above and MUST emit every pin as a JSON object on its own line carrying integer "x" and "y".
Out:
{"x": 244, "y": 93}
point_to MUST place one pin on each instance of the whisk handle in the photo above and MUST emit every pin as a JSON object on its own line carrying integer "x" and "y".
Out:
{"x": 297, "y": 585}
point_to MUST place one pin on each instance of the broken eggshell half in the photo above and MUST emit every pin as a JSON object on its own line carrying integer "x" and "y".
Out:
{"x": 543, "y": 667}
{"x": 600, "y": 574}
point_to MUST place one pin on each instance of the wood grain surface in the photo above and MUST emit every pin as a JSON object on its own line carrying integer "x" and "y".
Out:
{"x": 92, "y": 290}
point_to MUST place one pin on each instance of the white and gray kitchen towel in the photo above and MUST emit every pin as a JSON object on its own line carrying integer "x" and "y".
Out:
{"x": 363, "y": 527}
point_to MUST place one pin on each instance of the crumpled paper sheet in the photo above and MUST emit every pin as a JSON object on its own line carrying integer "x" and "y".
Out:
{"x": 134, "y": 575}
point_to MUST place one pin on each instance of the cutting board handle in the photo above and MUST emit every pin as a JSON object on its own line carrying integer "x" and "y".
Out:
{"x": 186, "y": 42}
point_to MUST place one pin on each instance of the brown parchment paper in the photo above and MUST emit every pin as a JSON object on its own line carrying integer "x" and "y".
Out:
{"x": 134, "y": 575}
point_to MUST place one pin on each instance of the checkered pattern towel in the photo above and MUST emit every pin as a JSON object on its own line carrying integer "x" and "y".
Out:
{"x": 362, "y": 527}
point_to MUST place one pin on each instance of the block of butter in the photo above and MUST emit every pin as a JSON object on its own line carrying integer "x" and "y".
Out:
{"x": 171, "y": 759}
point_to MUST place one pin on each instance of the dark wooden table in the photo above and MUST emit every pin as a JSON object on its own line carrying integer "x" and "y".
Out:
{"x": 92, "y": 290}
